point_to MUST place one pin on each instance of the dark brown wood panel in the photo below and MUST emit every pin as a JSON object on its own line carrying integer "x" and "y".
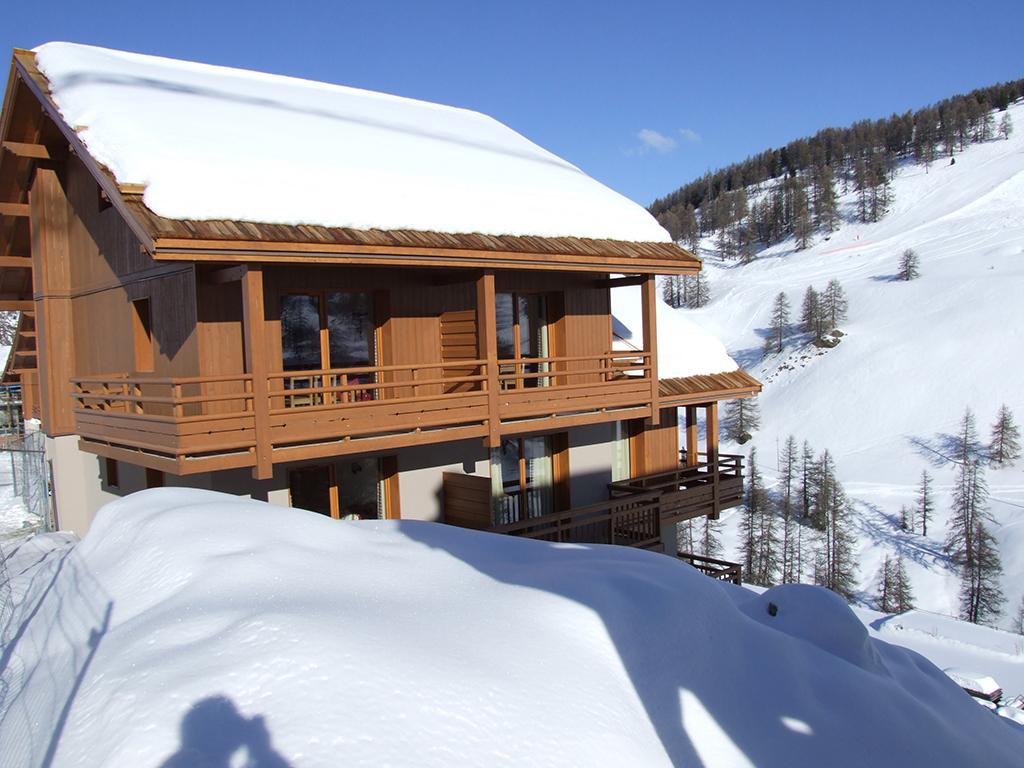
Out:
{"x": 467, "y": 500}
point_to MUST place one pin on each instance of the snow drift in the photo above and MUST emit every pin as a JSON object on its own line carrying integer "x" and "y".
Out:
{"x": 192, "y": 626}
{"x": 219, "y": 143}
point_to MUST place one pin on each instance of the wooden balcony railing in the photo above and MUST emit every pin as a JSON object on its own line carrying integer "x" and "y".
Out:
{"x": 201, "y": 423}
{"x": 689, "y": 492}
{"x": 634, "y": 521}
{"x": 723, "y": 570}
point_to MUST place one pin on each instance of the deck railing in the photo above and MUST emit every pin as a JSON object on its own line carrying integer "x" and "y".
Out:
{"x": 333, "y": 411}
{"x": 690, "y": 491}
{"x": 723, "y": 570}
{"x": 634, "y": 521}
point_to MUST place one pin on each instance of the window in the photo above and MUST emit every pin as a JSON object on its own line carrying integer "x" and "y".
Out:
{"x": 522, "y": 478}
{"x": 522, "y": 327}
{"x": 332, "y": 326}
{"x": 142, "y": 329}
{"x": 621, "y": 466}
{"x": 110, "y": 472}
{"x": 355, "y": 489}
{"x": 154, "y": 478}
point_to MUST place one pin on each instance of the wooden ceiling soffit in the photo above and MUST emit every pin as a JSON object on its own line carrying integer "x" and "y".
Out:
{"x": 24, "y": 67}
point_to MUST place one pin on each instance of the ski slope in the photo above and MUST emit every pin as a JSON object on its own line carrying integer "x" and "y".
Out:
{"x": 915, "y": 354}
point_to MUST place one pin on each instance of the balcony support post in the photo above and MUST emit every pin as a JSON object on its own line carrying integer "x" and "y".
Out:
{"x": 256, "y": 365}
{"x": 487, "y": 349}
{"x": 649, "y": 296}
{"x": 711, "y": 409}
{"x": 691, "y": 435}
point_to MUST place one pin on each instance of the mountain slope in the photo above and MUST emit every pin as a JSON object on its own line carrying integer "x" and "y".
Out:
{"x": 914, "y": 354}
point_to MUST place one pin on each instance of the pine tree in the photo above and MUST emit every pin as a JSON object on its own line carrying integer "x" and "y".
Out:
{"x": 907, "y": 521}
{"x": 884, "y": 600}
{"x": 689, "y": 229}
{"x": 709, "y": 543}
{"x": 698, "y": 290}
{"x": 779, "y": 322}
{"x": 831, "y": 513}
{"x": 903, "y": 592}
{"x": 685, "y": 538}
{"x": 834, "y": 305}
{"x": 803, "y": 226}
{"x": 910, "y": 265}
{"x": 981, "y": 596}
{"x": 807, "y": 480}
{"x": 1006, "y": 126}
{"x": 672, "y": 290}
{"x": 811, "y": 318}
{"x": 1004, "y": 448}
{"x": 826, "y": 207}
{"x": 1018, "y": 619}
{"x": 925, "y": 502}
{"x": 966, "y": 446}
{"x": 742, "y": 417}
{"x": 788, "y": 471}
{"x": 758, "y": 539}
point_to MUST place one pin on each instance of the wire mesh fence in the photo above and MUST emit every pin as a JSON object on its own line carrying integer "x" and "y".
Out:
{"x": 26, "y": 495}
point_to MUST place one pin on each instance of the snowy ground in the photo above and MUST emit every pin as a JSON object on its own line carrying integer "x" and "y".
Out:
{"x": 15, "y": 519}
{"x": 914, "y": 355}
{"x": 191, "y": 628}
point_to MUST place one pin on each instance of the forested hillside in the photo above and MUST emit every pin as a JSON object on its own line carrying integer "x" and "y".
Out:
{"x": 793, "y": 191}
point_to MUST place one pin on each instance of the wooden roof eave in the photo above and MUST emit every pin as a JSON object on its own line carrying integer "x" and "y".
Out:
{"x": 179, "y": 249}
{"x": 23, "y": 66}
{"x": 694, "y": 390}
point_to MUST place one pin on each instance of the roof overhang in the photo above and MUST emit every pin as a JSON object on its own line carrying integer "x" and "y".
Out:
{"x": 695, "y": 390}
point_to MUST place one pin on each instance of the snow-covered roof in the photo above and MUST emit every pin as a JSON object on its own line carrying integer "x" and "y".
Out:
{"x": 684, "y": 347}
{"x": 216, "y": 143}
{"x": 191, "y": 626}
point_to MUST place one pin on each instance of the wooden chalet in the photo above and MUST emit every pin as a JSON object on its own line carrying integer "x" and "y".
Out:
{"x": 468, "y": 378}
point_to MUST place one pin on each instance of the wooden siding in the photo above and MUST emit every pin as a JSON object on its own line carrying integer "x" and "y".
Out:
{"x": 655, "y": 446}
{"x": 467, "y": 500}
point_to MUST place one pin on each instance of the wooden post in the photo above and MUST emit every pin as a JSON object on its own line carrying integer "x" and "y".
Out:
{"x": 711, "y": 410}
{"x": 51, "y": 284}
{"x": 649, "y": 296}
{"x": 256, "y": 365}
{"x": 487, "y": 348}
{"x": 691, "y": 435}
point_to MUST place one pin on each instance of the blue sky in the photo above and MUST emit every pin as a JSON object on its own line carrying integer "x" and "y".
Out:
{"x": 643, "y": 97}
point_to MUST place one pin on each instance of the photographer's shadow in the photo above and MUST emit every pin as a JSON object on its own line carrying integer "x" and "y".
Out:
{"x": 213, "y": 730}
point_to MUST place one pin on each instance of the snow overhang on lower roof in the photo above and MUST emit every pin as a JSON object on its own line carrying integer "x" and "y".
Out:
{"x": 215, "y": 143}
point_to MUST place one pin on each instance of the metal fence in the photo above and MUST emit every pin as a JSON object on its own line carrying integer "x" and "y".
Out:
{"x": 26, "y": 473}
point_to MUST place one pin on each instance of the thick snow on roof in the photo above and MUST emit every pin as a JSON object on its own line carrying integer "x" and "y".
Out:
{"x": 191, "y": 626}
{"x": 684, "y": 348}
{"x": 219, "y": 143}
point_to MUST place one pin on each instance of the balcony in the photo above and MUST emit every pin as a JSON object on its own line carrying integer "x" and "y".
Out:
{"x": 185, "y": 425}
{"x": 638, "y": 508}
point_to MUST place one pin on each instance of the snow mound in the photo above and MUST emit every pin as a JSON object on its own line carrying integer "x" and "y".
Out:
{"x": 684, "y": 347}
{"x": 192, "y": 626}
{"x": 219, "y": 143}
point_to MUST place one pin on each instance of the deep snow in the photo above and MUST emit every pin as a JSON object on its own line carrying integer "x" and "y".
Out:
{"x": 219, "y": 143}
{"x": 915, "y": 354}
{"x": 191, "y": 624}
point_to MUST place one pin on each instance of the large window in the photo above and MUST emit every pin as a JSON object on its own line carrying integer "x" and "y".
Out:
{"x": 347, "y": 490}
{"x": 522, "y": 327}
{"x": 328, "y": 329}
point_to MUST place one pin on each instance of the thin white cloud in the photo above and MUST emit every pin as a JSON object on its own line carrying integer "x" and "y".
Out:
{"x": 659, "y": 142}
{"x": 689, "y": 135}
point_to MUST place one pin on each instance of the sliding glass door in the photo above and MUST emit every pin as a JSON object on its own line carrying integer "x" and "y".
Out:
{"x": 521, "y": 322}
{"x": 328, "y": 329}
{"x": 347, "y": 490}
{"x": 522, "y": 472}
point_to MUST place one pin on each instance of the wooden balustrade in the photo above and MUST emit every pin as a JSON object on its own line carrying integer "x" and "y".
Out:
{"x": 723, "y": 570}
{"x": 632, "y": 521}
{"x": 199, "y": 423}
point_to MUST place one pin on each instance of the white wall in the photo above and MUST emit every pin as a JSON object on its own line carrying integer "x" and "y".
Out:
{"x": 590, "y": 464}
{"x": 421, "y": 469}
